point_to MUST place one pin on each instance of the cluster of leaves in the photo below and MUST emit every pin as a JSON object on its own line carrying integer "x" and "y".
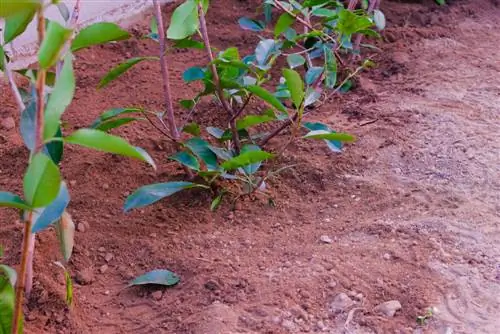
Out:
{"x": 236, "y": 152}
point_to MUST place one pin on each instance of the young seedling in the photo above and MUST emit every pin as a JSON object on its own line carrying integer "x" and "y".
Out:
{"x": 46, "y": 196}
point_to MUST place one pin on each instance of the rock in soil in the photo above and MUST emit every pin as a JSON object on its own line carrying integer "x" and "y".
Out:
{"x": 388, "y": 308}
{"x": 325, "y": 239}
{"x": 85, "y": 276}
{"x": 157, "y": 295}
{"x": 108, "y": 257}
{"x": 103, "y": 268}
{"x": 8, "y": 123}
{"x": 288, "y": 325}
{"x": 340, "y": 303}
{"x": 80, "y": 227}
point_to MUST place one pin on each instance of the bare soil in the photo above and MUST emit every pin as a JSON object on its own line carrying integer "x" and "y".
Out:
{"x": 412, "y": 207}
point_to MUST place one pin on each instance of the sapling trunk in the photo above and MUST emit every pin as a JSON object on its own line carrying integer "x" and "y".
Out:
{"x": 25, "y": 279}
{"x": 174, "y": 132}
{"x": 215, "y": 75}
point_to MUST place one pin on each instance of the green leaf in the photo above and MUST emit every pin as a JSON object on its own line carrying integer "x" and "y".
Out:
{"x": 109, "y": 114}
{"x": 330, "y": 68}
{"x": 60, "y": 98}
{"x": 41, "y": 182}
{"x": 216, "y": 132}
{"x": 313, "y": 74}
{"x": 312, "y": 96}
{"x": 192, "y": 129}
{"x": 16, "y": 24}
{"x": 54, "y": 149}
{"x": 69, "y": 283}
{"x": 51, "y": 213}
{"x": 158, "y": 276}
{"x": 246, "y": 159}
{"x": 98, "y": 33}
{"x": 187, "y": 104}
{"x": 322, "y": 134}
{"x": 266, "y": 96}
{"x": 7, "y": 298}
{"x": 188, "y": 43}
{"x": 284, "y": 22}
{"x": 11, "y": 200}
{"x": 27, "y": 124}
{"x": 152, "y": 193}
{"x": 186, "y": 159}
{"x": 115, "y": 123}
{"x": 2, "y": 58}
{"x": 122, "y": 68}
{"x": 334, "y": 145}
{"x": 65, "y": 230}
{"x": 252, "y": 25}
{"x": 184, "y": 21}
{"x": 295, "y": 60}
{"x": 202, "y": 150}
{"x": 216, "y": 201}
{"x": 252, "y": 168}
{"x": 379, "y": 19}
{"x": 441, "y": 2}
{"x": 264, "y": 50}
{"x": 349, "y": 23}
{"x": 10, "y": 273}
{"x": 252, "y": 120}
{"x": 295, "y": 86}
{"x": 193, "y": 74}
{"x": 102, "y": 141}
{"x": 55, "y": 38}
{"x": 10, "y": 7}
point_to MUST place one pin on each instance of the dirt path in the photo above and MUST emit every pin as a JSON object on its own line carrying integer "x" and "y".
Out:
{"x": 410, "y": 213}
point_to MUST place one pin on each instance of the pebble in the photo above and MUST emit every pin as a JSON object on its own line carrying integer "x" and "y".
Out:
{"x": 105, "y": 186}
{"x": 8, "y": 123}
{"x": 103, "y": 268}
{"x": 288, "y": 325}
{"x": 85, "y": 276}
{"x": 31, "y": 317}
{"x": 387, "y": 256}
{"x": 101, "y": 249}
{"x": 332, "y": 284}
{"x": 108, "y": 257}
{"x": 325, "y": 239}
{"x": 72, "y": 183}
{"x": 157, "y": 295}
{"x": 388, "y": 308}
{"x": 80, "y": 227}
{"x": 321, "y": 326}
{"x": 340, "y": 303}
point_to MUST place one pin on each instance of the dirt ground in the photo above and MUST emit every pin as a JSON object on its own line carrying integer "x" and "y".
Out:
{"x": 412, "y": 208}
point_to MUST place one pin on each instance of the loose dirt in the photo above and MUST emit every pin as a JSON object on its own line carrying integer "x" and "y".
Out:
{"x": 411, "y": 209}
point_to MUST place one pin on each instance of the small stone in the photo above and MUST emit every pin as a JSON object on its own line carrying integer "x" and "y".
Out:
{"x": 108, "y": 257}
{"x": 31, "y": 317}
{"x": 85, "y": 276}
{"x": 101, "y": 249}
{"x": 325, "y": 239}
{"x": 288, "y": 325}
{"x": 299, "y": 313}
{"x": 157, "y": 295}
{"x": 359, "y": 297}
{"x": 105, "y": 186}
{"x": 106, "y": 293}
{"x": 332, "y": 284}
{"x": 340, "y": 303}
{"x": 103, "y": 268}
{"x": 153, "y": 235}
{"x": 72, "y": 183}
{"x": 387, "y": 256}
{"x": 8, "y": 123}
{"x": 80, "y": 227}
{"x": 388, "y": 308}
{"x": 448, "y": 330}
{"x": 129, "y": 275}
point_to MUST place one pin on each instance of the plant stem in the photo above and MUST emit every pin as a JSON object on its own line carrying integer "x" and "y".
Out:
{"x": 218, "y": 86}
{"x": 167, "y": 94}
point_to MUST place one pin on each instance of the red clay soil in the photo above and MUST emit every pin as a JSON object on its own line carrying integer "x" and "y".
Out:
{"x": 411, "y": 208}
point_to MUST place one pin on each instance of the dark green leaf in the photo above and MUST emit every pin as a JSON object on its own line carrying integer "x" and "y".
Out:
{"x": 251, "y": 169}
{"x": 150, "y": 194}
{"x": 16, "y": 24}
{"x": 192, "y": 129}
{"x": 295, "y": 60}
{"x": 98, "y": 33}
{"x": 187, "y": 104}
{"x": 284, "y": 22}
{"x": 2, "y": 59}
{"x": 188, "y": 43}
{"x": 251, "y": 120}
{"x": 266, "y": 96}
{"x": 334, "y": 145}
{"x": 51, "y": 213}
{"x": 193, "y": 74}
{"x": 7, "y": 298}
{"x": 252, "y": 25}
{"x": 330, "y": 68}
{"x": 102, "y": 141}
{"x": 115, "y": 123}
{"x": 202, "y": 150}
{"x": 158, "y": 276}
{"x": 221, "y": 152}
{"x": 313, "y": 74}
{"x": 41, "y": 182}
{"x": 60, "y": 98}
{"x": 246, "y": 159}
{"x": 186, "y": 159}
{"x": 109, "y": 114}
{"x": 122, "y": 68}
{"x": 54, "y": 149}
{"x": 55, "y": 38}
{"x": 346, "y": 86}
{"x": 11, "y": 200}
{"x": 295, "y": 86}
{"x": 216, "y": 201}
{"x": 184, "y": 21}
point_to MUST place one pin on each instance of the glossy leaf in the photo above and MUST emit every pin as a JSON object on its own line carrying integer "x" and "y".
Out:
{"x": 295, "y": 86}
{"x": 313, "y": 74}
{"x": 60, "y": 98}
{"x": 252, "y": 120}
{"x": 188, "y": 43}
{"x": 115, "y": 123}
{"x": 245, "y": 159}
{"x": 264, "y": 50}
{"x": 202, "y": 150}
{"x": 193, "y": 74}
{"x": 284, "y": 22}
{"x": 266, "y": 96}
{"x": 117, "y": 71}
{"x": 186, "y": 159}
{"x": 216, "y": 201}
{"x": 158, "y": 276}
{"x": 53, "y": 212}
{"x": 10, "y": 200}
{"x": 334, "y": 145}
{"x": 192, "y": 129}
{"x": 110, "y": 114}
{"x": 17, "y": 23}
{"x": 349, "y": 23}
{"x": 7, "y": 298}
{"x": 55, "y": 38}
{"x": 252, "y": 25}
{"x": 184, "y": 21}
{"x": 330, "y": 68}
{"x": 327, "y": 135}
{"x": 41, "y": 182}
{"x": 102, "y": 141}
{"x": 252, "y": 168}
{"x": 54, "y": 149}
{"x": 65, "y": 230}
{"x": 10, "y": 7}
{"x": 295, "y": 60}
{"x": 98, "y": 33}
{"x": 152, "y": 193}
